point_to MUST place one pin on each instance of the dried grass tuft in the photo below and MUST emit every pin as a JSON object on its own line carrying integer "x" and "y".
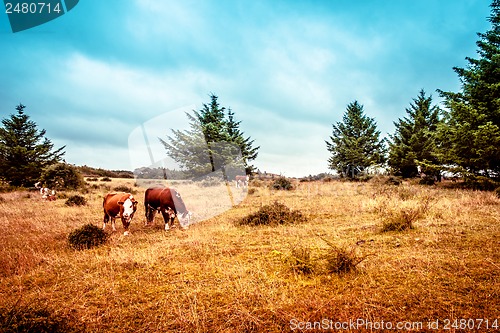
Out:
{"x": 273, "y": 214}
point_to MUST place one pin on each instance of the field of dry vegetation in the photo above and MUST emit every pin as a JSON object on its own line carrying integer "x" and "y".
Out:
{"x": 369, "y": 251}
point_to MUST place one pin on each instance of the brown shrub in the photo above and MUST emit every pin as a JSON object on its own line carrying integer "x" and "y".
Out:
{"x": 274, "y": 214}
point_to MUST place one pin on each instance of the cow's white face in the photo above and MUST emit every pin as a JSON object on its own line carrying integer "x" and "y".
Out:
{"x": 129, "y": 207}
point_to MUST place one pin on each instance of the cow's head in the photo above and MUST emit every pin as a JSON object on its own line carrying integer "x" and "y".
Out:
{"x": 127, "y": 210}
{"x": 184, "y": 219}
{"x": 183, "y": 215}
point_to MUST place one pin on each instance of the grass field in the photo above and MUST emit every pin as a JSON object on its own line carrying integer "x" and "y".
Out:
{"x": 220, "y": 277}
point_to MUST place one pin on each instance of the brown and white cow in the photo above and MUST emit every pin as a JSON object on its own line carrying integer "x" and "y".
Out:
{"x": 119, "y": 204}
{"x": 48, "y": 194}
{"x": 169, "y": 203}
{"x": 45, "y": 192}
{"x": 242, "y": 181}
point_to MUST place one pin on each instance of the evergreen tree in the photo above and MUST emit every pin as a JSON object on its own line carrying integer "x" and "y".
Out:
{"x": 471, "y": 133}
{"x": 248, "y": 152}
{"x": 24, "y": 150}
{"x": 414, "y": 141}
{"x": 214, "y": 141}
{"x": 354, "y": 143}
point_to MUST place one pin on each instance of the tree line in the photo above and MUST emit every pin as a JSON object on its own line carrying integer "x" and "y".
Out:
{"x": 463, "y": 137}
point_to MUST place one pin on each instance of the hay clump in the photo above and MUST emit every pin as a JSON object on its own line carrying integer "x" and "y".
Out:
{"x": 273, "y": 214}
{"x": 87, "y": 237}
{"x": 76, "y": 200}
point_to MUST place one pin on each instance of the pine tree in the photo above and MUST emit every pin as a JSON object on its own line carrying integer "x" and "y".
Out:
{"x": 248, "y": 152}
{"x": 471, "y": 133}
{"x": 414, "y": 141}
{"x": 24, "y": 150}
{"x": 214, "y": 141}
{"x": 354, "y": 143}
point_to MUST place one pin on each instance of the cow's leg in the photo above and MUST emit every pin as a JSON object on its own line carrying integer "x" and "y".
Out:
{"x": 166, "y": 218}
{"x": 125, "y": 227}
{"x": 150, "y": 215}
{"x": 113, "y": 223}
{"x": 106, "y": 220}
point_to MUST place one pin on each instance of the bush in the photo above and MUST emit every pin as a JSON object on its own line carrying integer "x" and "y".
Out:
{"x": 87, "y": 237}
{"x": 62, "y": 176}
{"x": 282, "y": 183}
{"x": 105, "y": 179}
{"x": 35, "y": 318}
{"x": 341, "y": 260}
{"x": 274, "y": 214}
{"x": 427, "y": 180}
{"x": 480, "y": 183}
{"x": 393, "y": 180}
{"x": 300, "y": 260}
{"x": 76, "y": 200}
{"x": 402, "y": 219}
{"x": 124, "y": 188}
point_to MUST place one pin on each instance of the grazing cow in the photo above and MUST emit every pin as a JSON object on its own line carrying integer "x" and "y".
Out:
{"x": 48, "y": 194}
{"x": 119, "y": 204}
{"x": 242, "y": 181}
{"x": 167, "y": 201}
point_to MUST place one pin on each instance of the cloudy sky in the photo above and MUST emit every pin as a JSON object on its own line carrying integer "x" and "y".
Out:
{"x": 288, "y": 69}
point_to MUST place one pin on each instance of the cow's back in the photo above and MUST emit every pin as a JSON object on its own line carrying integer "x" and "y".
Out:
{"x": 110, "y": 203}
{"x": 158, "y": 198}
{"x": 152, "y": 197}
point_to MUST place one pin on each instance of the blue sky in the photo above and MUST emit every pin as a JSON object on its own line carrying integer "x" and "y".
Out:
{"x": 287, "y": 69}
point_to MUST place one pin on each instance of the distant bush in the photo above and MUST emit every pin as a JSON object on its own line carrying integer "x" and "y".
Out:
{"x": 393, "y": 180}
{"x": 105, "y": 179}
{"x": 427, "y": 180}
{"x": 274, "y": 214}
{"x": 363, "y": 178}
{"x": 92, "y": 179}
{"x": 6, "y": 188}
{"x": 480, "y": 183}
{"x": 76, "y": 200}
{"x": 124, "y": 188}
{"x": 35, "y": 318}
{"x": 282, "y": 183}
{"x": 62, "y": 176}
{"x": 87, "y": 237}
{"x": 127, "y": 174}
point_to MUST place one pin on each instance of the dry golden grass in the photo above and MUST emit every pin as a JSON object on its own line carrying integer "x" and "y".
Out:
{"x": 220, "y": 277}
